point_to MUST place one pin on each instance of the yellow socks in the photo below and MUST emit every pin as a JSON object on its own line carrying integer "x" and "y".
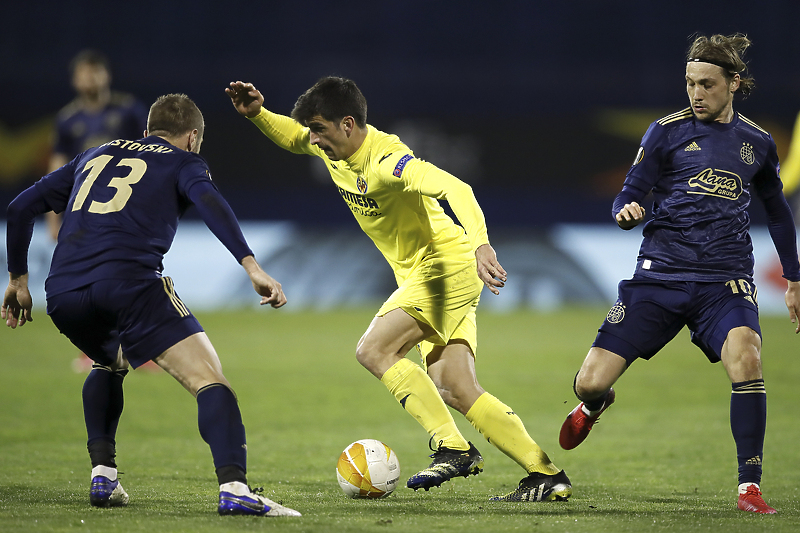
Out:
{"x": 503, "y": 428}
{"x": 418, "y": 395}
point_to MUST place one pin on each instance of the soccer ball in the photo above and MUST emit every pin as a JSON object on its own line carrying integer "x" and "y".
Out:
{"x": 368, "y": 469}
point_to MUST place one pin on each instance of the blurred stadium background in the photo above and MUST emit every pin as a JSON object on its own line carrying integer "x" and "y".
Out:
{"x": 539, "y": 106}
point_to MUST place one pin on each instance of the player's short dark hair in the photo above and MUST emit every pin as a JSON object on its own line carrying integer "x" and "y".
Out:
{"x": 91, "y": 57}
{"x": 725, "y": 52}
{"x": 174, "y": 115}
{"x": 332, "y": 98}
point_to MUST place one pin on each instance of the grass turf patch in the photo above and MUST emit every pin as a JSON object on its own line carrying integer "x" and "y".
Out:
{"x": 662, "y": 458}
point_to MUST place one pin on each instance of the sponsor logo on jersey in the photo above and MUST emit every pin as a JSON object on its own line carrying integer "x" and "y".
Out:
{"x": 398, "y": 168}
{"x": 747, "y": 154}
{"x": 639, "y": 156}
{"x": 692, "y": 147}
{"x": 716, "y": 182}
{"x": 360, "y": 204}
{"x": 361, "y": 183}
{"x": 358, "y": 199}
{"x": 616, "y": 314}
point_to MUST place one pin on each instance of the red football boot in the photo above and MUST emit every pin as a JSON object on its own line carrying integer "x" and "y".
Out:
{"x": 751, "y": 501}
{"x": 578, "y": 424}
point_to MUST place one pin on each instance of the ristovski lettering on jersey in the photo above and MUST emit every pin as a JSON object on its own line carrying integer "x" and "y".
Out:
{"x": 360, "y": 204}
{"x": 139, "y": 147}
{"x": 716, "y": 182}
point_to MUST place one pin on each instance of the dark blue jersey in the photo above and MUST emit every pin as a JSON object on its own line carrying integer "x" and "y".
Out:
{"x": 702, "y": 175}
{"x": 121, "y": 203}
{"x": 78, "y": 129}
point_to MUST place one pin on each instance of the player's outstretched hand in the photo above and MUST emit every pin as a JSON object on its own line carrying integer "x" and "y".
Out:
{"x": 269, "y": 289}
{"x": 264, "y": 284}
{"x": 245, "y": 98}
{"x": 492, "y": 274}
{"x": 792, "y": 298}
{"x": 630, "y": 216}
{"x": 17, "y": 302}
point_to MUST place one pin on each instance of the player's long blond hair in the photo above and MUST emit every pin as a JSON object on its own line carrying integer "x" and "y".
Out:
{"x": 725, "y": 51}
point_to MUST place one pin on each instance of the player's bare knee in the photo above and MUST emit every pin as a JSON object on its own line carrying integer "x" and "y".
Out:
{"x": 741, "y": 354}
{"x": 371, "y": 359}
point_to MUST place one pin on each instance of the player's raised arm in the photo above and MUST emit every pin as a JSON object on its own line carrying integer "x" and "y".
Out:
{"x": 246, "y": 99}
{"x": 282, "y": 130}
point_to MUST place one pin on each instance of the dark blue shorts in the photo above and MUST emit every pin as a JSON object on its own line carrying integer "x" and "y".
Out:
{"x": 148, "y": 314}
{"x": 649, "y": 313}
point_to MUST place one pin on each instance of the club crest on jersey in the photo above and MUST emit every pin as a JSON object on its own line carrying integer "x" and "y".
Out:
{"x": 747, "y": 154}
{"x": 398, "y": 168}
{"x": 616, "y": 314}
{"x": 716, "y": 182}
{"x": 361, "y": 183}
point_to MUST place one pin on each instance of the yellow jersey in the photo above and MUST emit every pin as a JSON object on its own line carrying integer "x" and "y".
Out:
{"x": 790, "y": 169}
{"x": 394, "y": 197}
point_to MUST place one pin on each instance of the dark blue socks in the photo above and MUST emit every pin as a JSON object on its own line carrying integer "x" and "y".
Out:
{"x": 220, "y": 424}
{"x": 748, "y": 425}
{"x": 102, "y": 407}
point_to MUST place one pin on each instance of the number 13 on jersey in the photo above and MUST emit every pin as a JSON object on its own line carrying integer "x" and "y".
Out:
{"x": 122, "y": 184}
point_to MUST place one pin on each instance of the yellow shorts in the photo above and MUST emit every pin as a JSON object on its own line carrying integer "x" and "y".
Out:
{"x": 445, "y": 298}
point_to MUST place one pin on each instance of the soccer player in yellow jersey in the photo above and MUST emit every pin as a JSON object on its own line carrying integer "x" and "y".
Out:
{"x": 440, "y": 269}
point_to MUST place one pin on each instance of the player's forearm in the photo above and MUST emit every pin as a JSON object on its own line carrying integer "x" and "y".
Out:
{"x": 251, "y": 266}
{"x": 220, "y": 219}
{"x": 283, "y": 131}
{"x": 17, "y": 280}
{"x": 627, "y": 195}
{"x": 434, "y": 182}
{"x": 469, "y": 214}
{"x": 782, "y": 231}
{"x": 20, "y": 215}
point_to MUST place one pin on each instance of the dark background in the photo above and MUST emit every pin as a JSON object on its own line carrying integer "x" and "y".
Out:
{"x": 539, "y": 105}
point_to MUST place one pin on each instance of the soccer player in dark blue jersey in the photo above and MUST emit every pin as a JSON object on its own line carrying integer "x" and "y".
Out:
{"x": 695, "y": 264}
{"x": 122, "y": 202}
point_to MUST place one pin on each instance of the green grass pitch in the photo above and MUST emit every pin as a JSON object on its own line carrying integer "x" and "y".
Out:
{"x": 661, "y": 459}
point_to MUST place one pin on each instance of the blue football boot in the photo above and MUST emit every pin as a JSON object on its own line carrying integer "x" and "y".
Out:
{"x": 236, "y": 498}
